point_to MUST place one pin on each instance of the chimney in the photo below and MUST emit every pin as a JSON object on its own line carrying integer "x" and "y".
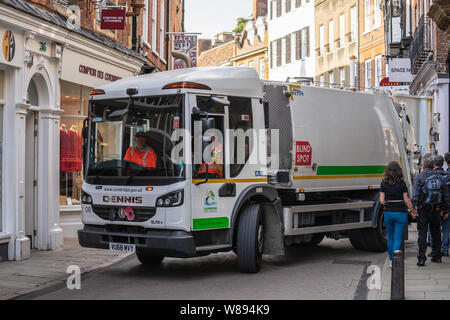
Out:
{"x": 259, "y": 8}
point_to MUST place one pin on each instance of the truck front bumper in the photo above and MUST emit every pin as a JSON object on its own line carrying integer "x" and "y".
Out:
{"x": 167, "y": 243}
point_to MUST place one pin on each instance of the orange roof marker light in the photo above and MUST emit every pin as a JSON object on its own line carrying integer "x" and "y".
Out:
{"x": 186, "y": 85}
{"x": 97, "y": 92}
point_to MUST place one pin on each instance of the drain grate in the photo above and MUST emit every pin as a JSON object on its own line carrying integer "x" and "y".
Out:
{"x": 354, "y": 262}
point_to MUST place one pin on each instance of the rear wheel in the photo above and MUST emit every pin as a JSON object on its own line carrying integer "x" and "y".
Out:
{"x": 373, "y": 239}
{"x": 147, "y": 259}
{"x": 250, "y": 239}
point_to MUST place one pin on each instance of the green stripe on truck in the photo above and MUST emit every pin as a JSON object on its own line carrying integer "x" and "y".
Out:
{"x": 211, "y": 223}
{"x": 342, "y": 170}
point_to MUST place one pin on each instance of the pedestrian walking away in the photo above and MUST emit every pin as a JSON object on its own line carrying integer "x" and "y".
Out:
{"x": 430, "y": 197}
{"x": 445, "y": 220}
{"x": 394, "y": 196}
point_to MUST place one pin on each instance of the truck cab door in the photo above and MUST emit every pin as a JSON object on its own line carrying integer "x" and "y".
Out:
{"x": 208, "y": 127}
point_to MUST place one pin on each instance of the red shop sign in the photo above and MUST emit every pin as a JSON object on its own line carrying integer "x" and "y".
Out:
{"x": 113, "y": 19}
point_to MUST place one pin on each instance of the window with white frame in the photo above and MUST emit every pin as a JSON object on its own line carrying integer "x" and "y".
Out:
{"x": 368, "y": 74}
{"x": 145, "y": 22}
{"x": 341, "y": 30}
{"x": 367, "y": 15}
{"x": 342, "y": 77}
{"x": 278, "y": 51}
{"x": 331, "y": 34}
{"x": 322, "y": 81}
{"x": 305, "y": 42}
{"x": 353, "y": 23}
{"x": 283, "y": 51}
{"x": 378, "y": 70}
{"x": 377, "y": 14}
{"x": 331, "y": 78}
{"x": 322, "y": 39}
{"x": 294, "y": 46}
{"x": 161, "y": 30}
{"x": 262, "y": 68}
{"x": 154, "y": 28}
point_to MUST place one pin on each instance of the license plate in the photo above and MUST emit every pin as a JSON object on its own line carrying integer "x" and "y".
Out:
{"x": 122, "y": 247}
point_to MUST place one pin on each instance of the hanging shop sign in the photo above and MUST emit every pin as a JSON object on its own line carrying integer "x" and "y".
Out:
{"x": 186, "y": 45}
{"x": 9, "y": 45}
{"x": 400, "y": 70}
{"x": 113, "y": 19}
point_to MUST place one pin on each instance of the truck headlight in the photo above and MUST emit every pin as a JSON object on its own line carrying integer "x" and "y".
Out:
{"x": 174, "y": 199}
{"x": 85, "y": 198}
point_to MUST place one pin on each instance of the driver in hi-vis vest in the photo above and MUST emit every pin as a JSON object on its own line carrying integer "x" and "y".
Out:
{"x": 141, "y": 153}
{"x": 216, "y": 167}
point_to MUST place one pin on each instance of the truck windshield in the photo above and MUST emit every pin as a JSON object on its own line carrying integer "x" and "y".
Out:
{"x": 130, "y": 143}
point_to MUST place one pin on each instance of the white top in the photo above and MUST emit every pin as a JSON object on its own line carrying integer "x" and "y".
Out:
{"x": 228, "y": 81}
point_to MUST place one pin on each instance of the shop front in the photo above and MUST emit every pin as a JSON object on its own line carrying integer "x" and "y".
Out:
{"x": 81, "y": 72}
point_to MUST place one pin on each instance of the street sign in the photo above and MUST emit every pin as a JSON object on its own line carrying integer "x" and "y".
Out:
{"x": 113, "y": 19}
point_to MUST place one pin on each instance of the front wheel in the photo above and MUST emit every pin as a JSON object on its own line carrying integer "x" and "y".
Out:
{"x": 147, "y": 259}
{"x": 250, "y": 239}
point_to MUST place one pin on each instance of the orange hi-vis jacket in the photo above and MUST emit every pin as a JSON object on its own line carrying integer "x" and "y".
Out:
{"x": 147, "y": 158}
{"x": 213, "y": 168}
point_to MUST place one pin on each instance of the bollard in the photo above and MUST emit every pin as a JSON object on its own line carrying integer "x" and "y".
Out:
{"x": 398, "y": 276}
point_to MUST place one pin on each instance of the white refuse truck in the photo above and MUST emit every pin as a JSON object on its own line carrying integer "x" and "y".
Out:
{"x": 320, "y": 157}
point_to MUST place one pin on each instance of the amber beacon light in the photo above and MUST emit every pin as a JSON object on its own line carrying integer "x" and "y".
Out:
{"x": 186, "y": 85}
{"x": 97, "y": 92}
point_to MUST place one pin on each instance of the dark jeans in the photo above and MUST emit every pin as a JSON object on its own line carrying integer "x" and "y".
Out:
{"x": 429, "y": 217}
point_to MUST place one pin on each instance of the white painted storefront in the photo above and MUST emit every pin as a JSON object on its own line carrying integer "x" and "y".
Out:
{"x": 39, "y": 63}
{"x": 298, "y": 21}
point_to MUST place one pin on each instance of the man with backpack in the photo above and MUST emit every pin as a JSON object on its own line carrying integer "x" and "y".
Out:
{"x": 430, "y": 197}
{"x": 445, "y": 220}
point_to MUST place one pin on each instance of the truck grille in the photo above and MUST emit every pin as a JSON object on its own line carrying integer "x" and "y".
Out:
{"x": 142, "y": 214}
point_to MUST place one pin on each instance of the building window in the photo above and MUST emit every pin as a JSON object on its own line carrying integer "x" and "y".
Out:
{"x": 251, "y": 64}
{"x": 262, "y": 69}
{"x": 368, "y": 74}
{"x": 322, "y": 81}
{"x": 353, "y": 23}
{"x": 154, "y": 28}
{"x": 278, "y": 42}
{"x": 341, "y": 30}
{"x": 161, "y": 31}
{"x": 294, "y": 46}
{"x": 298, "y": 3}
{"x": 271, "y": 9}
{"x": 342, "y": 77}
{"x": 145, "y": 22}
{"x": 305, "y": 42}
{"x": 367, "y": 15}
{"x": 279, "y": 3}
{"x": 378, "y": 70}
{"x": 74, "y": 102}
{"x": 272, "y": 54}
{"x": 322, "y": 39}
{"x": 288, "y": 6}
{"x": 283, "y": 51}
{"x": 377, "y": 14}
{"x": 330, "y": 34}
{"x": 331, "y": 79}
{"x": 288, "y": 49}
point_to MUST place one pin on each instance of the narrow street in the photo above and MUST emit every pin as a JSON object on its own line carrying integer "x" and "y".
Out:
{"x": 332, "y": 270}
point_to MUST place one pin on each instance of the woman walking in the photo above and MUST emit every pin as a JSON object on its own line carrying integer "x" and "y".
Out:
{"x": 394, "y": 196}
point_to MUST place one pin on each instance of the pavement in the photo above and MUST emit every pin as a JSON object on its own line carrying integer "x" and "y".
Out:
{"x": 431, "y": 282}
{"x": 46, "y": 269}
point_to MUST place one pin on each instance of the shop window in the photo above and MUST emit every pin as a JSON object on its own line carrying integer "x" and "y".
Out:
{"x": 74, "y": 102}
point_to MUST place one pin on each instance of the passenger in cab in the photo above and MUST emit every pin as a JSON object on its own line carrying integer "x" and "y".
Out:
{"x": 141, "y": 153}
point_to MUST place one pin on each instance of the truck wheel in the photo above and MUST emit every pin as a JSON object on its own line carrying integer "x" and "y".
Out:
{"x": 250, "y": 239}
{"x": 376, "y": 239}
{"x": 357, "y": 240}
{"x": 147, "y": 259}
